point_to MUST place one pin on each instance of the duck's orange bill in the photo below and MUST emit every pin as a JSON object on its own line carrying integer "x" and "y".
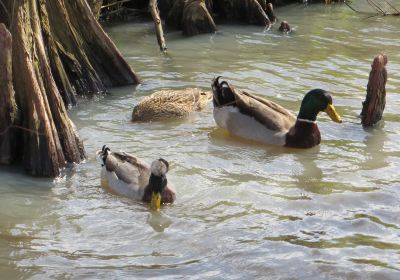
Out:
{"x": 331, "y": 111}
{"x": 155, "y": 202}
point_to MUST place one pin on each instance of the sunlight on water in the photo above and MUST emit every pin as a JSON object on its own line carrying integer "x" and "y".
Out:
{"x": 243, "y": 210}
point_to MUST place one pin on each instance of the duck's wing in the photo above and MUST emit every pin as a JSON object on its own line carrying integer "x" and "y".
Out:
{"x": 271, "y": 115}
{"x": 127, "y": 168}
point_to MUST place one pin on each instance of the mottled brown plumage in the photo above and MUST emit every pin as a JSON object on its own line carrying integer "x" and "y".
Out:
{"x": 169, "y": 104}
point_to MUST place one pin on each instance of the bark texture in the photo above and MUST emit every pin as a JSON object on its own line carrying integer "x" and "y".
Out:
{"x": 51, "y": 140}
{"x": 197, "y": 16}
{"x": 155, "y": 13}
{"x": 8, "y": 109}
{"x": 197, "y": 19}
{"x": 375, "y": 101}
{"x": 59, "y": 51}
{"x": 95, "y": 6}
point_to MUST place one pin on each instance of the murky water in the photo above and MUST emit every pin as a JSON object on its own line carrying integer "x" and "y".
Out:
{"x": 243, "y": 210}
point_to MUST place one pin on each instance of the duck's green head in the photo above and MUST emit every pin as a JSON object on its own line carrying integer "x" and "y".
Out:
{"x": 158, "y": 181}
{"x": 315, "y": 101}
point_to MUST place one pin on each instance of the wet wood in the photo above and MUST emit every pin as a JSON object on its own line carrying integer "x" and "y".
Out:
{"x": 95, "y": 6}
{"x": 8, "y": 110}
{"x": 197, "y": 19}
{"x": 59, "y": 50}
{"x": 375, "y": 101}
{"x": 158, "y": 25}
{"x": 269, "y": 10}
{"x": 95, "y": 45}
{"x": 51, "y": 140}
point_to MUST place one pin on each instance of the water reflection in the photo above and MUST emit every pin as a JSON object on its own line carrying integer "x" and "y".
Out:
{"x": 311, "y": 176}
{"x": 159, "y": 221}
{"x": 374, "y": 148}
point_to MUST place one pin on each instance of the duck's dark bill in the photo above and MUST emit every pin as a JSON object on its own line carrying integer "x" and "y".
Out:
{"x": 331, "y": 111}
{"x": 155, "y": 202}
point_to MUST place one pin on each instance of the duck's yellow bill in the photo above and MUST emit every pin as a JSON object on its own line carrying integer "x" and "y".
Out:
{"x": 155, "y": 202}
{"x": 331, "y": 111}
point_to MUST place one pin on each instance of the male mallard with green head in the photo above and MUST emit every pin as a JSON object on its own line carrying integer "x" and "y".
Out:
{"x": 129, "y": 176}
{"x": 259, "y": 119}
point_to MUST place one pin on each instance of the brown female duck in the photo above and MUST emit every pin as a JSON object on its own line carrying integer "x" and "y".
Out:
{"x": 169, "y": 104}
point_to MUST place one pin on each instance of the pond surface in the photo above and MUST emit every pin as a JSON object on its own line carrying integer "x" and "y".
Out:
{"x": 243, "y": 210}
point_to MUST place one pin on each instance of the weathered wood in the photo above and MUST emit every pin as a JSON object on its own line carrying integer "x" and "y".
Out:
{"x": 95, "y": 6}
{"x": 100, "y": 50}
{"x": 375, "y": 101}
{"x": 158, "y": 25}
{"x": 197, "y": 19}
{"x": 269, "y": 10}
{"x": 59, "y": 51}
{"x": 51, "y": 140}
{"x": 8, "y": 108}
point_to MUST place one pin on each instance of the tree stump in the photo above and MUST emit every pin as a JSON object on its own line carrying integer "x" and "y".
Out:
{"x": 8, "y": 110}
{"x": 59, "y": 50}
{"x": 375, "y": 101}
{"x": 197, "y": 19}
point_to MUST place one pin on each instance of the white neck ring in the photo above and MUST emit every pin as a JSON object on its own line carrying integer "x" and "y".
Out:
{"x": 307, "y": 121}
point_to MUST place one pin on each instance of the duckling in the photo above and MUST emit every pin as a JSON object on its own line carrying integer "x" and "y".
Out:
{"x": 168, "y": 104}
{"x": 259, "y": 119}
{"x": 126, "y": 175}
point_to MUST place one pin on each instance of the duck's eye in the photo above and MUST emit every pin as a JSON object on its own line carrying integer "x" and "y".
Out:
{"x": 203, "y": 93}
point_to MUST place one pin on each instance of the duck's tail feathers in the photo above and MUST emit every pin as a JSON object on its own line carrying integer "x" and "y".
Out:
{"x": 223, "y": 93}
{"x": 102, "y": 154}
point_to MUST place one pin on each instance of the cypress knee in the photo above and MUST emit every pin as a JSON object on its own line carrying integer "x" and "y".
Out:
{"x": 375, "y": 100}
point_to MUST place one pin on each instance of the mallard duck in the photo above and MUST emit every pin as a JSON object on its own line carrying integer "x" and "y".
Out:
{"x": 167, "y": 104}
{"x": 259, "y": 119}
{"x": 126, "y": 175}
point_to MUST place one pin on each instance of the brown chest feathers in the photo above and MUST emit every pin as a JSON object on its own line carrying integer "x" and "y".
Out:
{"x": 167, "y": 196}
{"x": 303, "y": 135}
